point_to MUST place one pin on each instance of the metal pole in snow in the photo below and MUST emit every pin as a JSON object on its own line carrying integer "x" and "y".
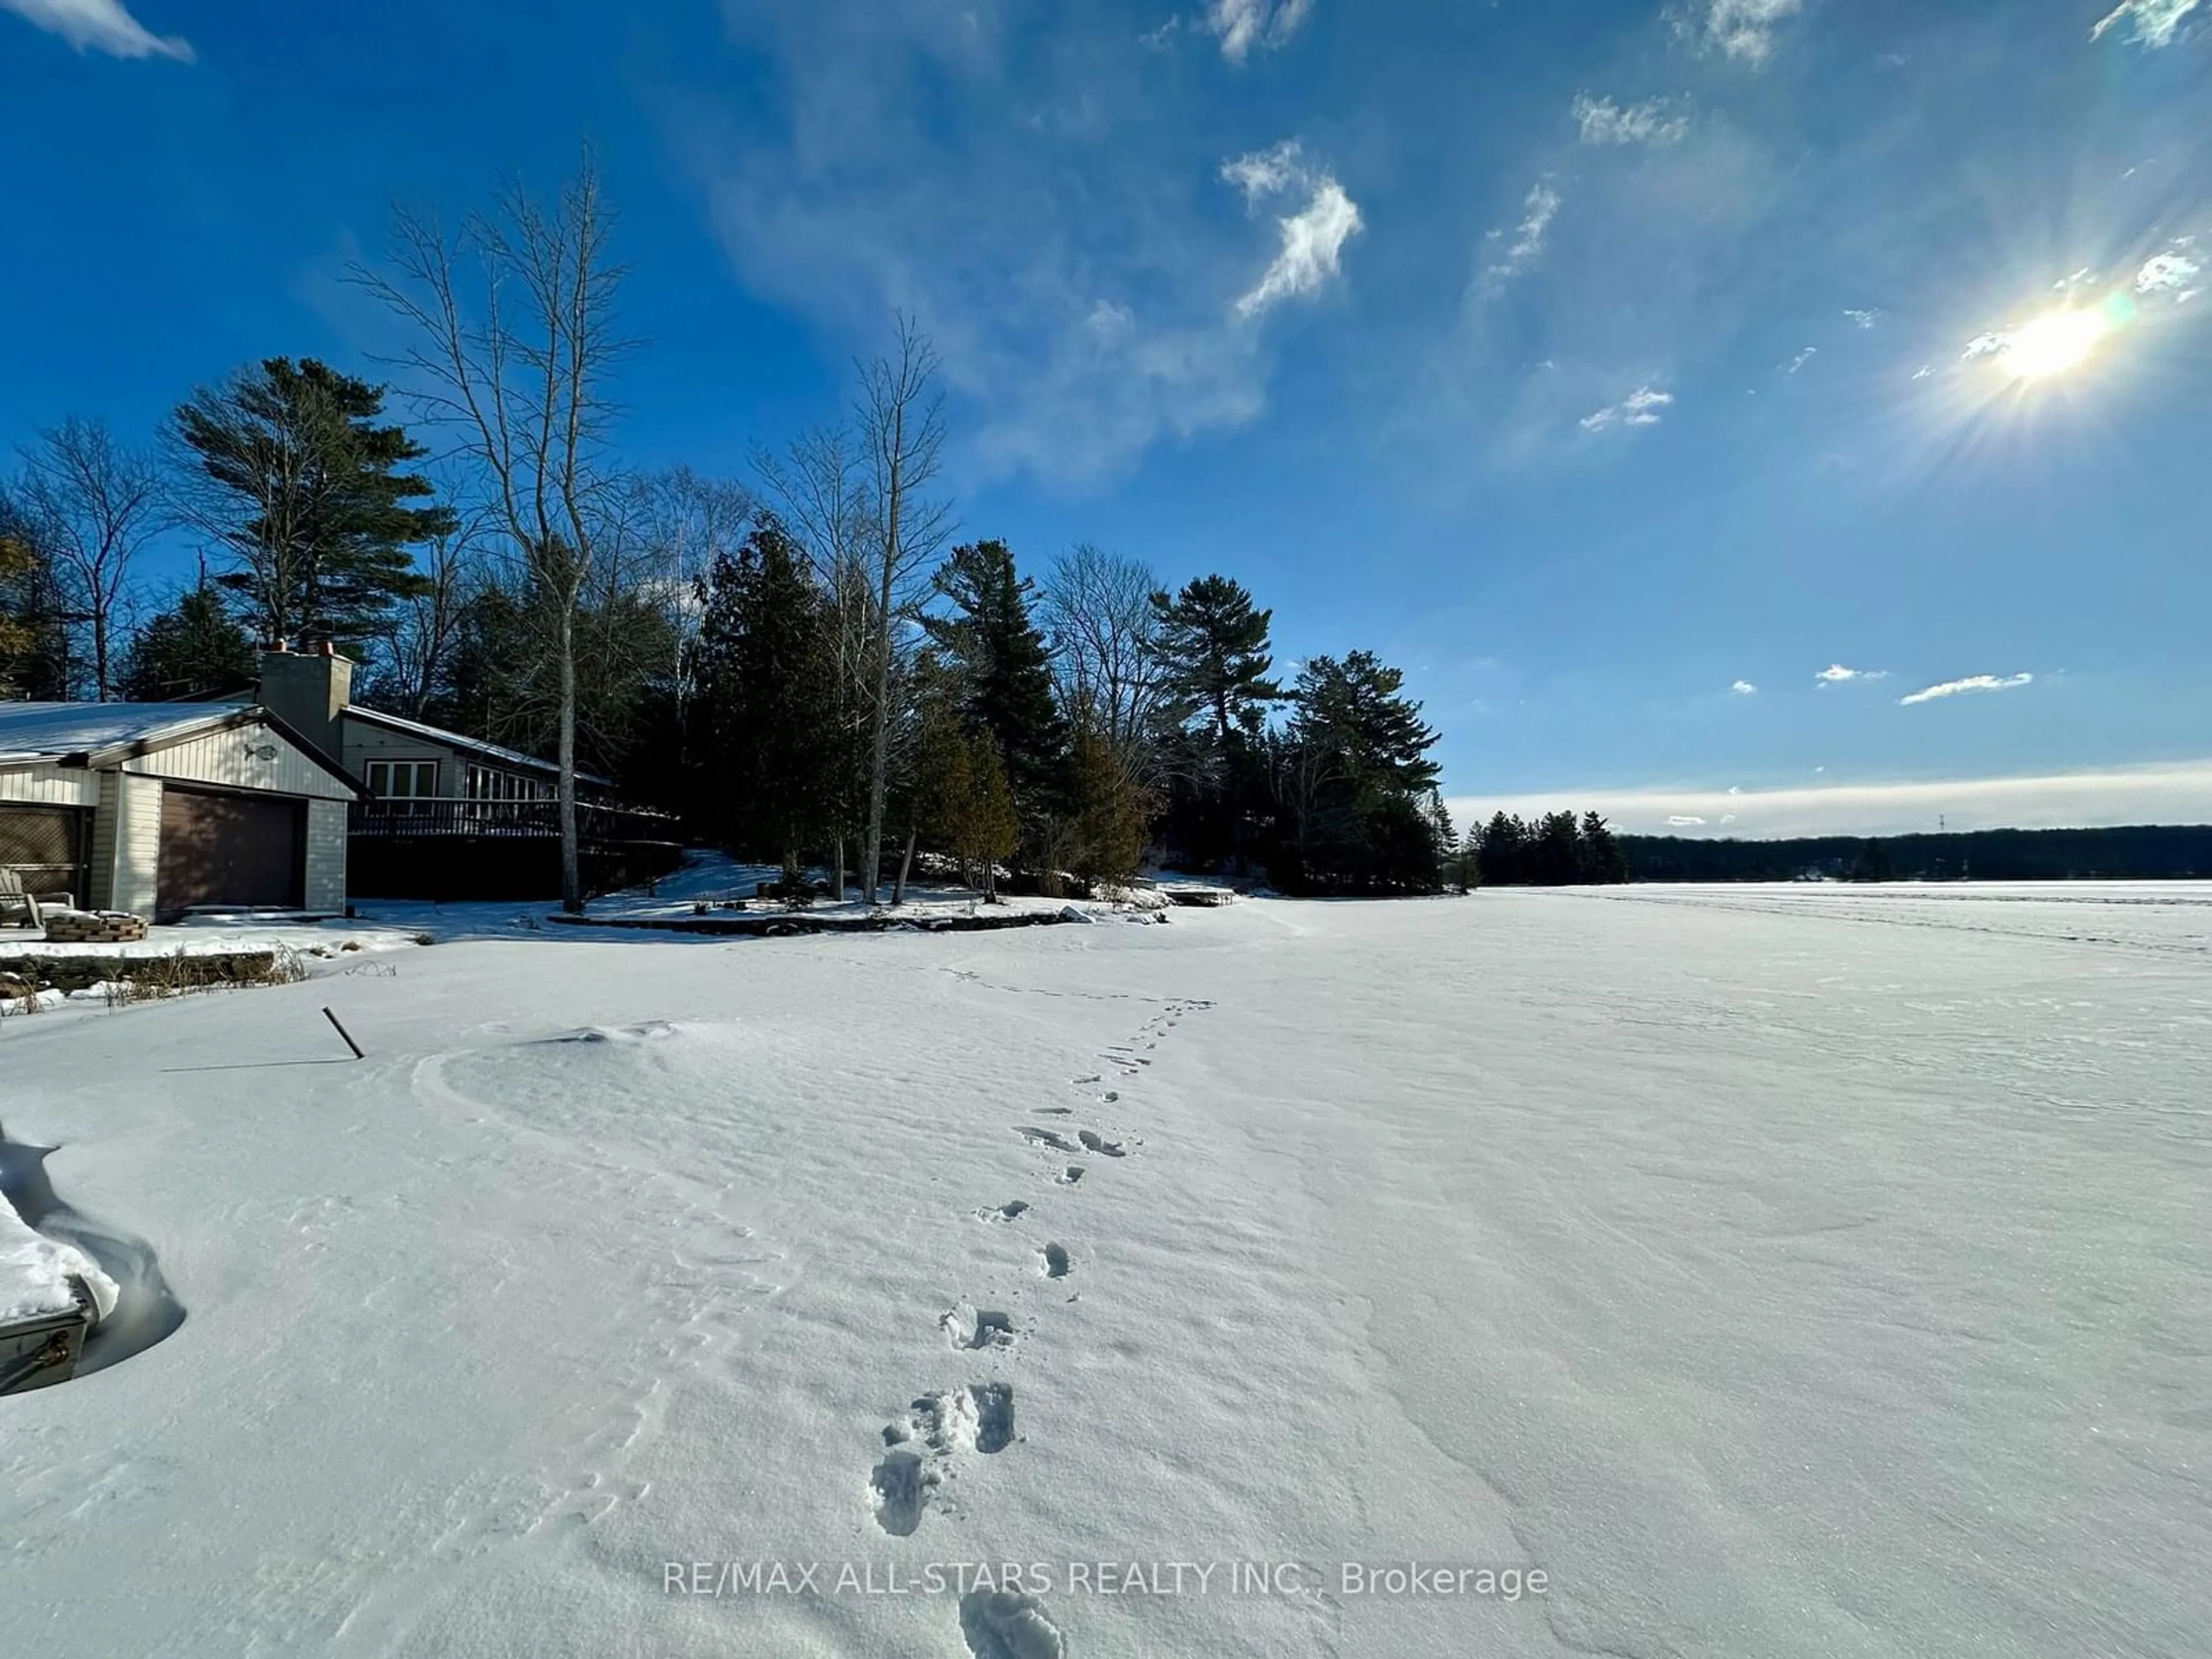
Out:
{"x": 343, "y": 1032}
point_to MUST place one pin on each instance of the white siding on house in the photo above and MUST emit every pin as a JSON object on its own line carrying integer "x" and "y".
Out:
{"x": 51, "y": 786}
{"x": 228, "y": 759}
{"x": 326, "y": 856}
{"x": 126, "y": 843}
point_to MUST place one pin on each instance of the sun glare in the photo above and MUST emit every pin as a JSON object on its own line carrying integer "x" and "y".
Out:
{"x": 2054, "y": 343}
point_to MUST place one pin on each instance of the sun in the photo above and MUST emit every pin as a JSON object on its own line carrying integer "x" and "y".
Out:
{"x": 2054, "y": 343}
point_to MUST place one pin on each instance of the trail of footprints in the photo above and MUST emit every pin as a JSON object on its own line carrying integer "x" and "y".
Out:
{"x": 923, "y": 1449}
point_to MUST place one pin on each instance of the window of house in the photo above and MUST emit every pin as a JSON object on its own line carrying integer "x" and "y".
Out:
{"x": 403, "y": 779}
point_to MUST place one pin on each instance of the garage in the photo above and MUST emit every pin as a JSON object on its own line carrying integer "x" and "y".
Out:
{"x": 47, "y": 846}
{"x": 219, "y": 847}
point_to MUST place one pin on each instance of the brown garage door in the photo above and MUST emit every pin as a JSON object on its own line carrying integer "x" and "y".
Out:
{"x": 228, "y": 849}
{"x": 45, "y": 845}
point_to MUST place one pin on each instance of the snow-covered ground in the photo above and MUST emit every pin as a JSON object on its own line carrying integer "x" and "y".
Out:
{"x": 1778, "y": 1271}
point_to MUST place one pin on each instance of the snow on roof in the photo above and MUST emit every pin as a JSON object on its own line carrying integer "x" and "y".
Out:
{"x": 41, "y": 731}
{"x": 454, "y": 739}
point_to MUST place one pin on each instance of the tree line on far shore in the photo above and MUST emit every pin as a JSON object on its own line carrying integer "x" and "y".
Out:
{"x": 806, "y": 662}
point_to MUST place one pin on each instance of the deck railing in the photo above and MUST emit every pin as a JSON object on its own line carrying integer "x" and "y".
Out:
{"x": 531, "y": 819}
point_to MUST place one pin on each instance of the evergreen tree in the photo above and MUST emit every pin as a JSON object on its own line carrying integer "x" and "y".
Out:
{"x": 191, "y": 650}
{"x": 1555, "y": 851}
{"x": 1503, "y": 858}
{"x": 1358, "y": 814}
{"x": 767, "y": 689}
{"x": 290, "y": 470}
{"x": 1110, "y": 809}
{"x": 1600, "y": 858}
{"x": 1215, "y": 692}
{"x": 1872, "y": 863}
{"x": 989, "y": 642}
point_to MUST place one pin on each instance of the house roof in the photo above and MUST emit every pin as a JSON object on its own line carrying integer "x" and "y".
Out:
{"x": 102, "y": 734}
{"x": 514, "y": 757}
{"x": 49, "y": 730}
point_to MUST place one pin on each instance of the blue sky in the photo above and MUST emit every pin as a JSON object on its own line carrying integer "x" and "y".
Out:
{"x": 1592, "y": 362}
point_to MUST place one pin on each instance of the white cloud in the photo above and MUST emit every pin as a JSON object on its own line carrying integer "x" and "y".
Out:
{"x": 1541, "y": 207}
{"x": 99, "y": 26}
{"x": 2153, "y": 22}
{"x": 1743, "y": 687}
{"x": 1655, "y": 121}
{"x": 1802, "y": 359}
{"x": 1082, "y": 316}
{"x": 1266, "y": 172}
{"x": 1744, "y": 29}
{"x": 1734, "y": 789}
{"x": 1312, "y": 238}
{"x": 1835, "y": 674}
{"x": 1683, "y": 821}
{"x": 1863, "y": 318}
{"x": 2163, "y": 273}
{"x": 2169, "y": 792}
{"x": 1243, "y": 24}
{"x": 1971, "y": 682}
{"x": 1639, "y": 408}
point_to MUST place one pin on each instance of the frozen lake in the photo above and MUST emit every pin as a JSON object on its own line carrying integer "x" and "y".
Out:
{"x": 1777, "y": 1270}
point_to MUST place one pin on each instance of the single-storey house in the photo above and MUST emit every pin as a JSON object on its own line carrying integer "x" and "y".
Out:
{"x": 156, "y": 807}
{"x": 291, "y": 795}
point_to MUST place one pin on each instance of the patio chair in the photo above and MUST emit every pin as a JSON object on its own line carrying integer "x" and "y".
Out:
{"x": 16, "y": 896}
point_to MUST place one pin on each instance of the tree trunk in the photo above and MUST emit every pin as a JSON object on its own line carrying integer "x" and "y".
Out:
{"x": 99, "y": 651}
{"x": 572, "y": 874}
{"x": 906, "y": 866}
{"x": 837, "y": 876}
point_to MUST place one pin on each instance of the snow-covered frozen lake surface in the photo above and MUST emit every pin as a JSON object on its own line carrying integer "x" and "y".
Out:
{"x": 1779, "y": 1270}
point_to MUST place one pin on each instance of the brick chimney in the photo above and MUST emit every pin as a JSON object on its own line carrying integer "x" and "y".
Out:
{"x": 308, "y": 690}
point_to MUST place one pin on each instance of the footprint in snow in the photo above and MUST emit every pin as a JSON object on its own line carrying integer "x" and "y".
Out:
{"x": 900, "y": 1484}
{"x": 1037, "y": 1137}
{"x": 1100, "y": 1145}
{"x": 1012, "y": 1210}
{"x": 978, "y": 1328}
{"x": 1069, "y": 1176}
{"x": 1002, "y": 1625}
{"x": 1056, "y": 1264}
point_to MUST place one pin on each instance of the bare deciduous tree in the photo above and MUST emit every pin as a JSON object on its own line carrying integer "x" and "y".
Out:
{"x": 820, "y": 486}
{"x": 900, "y": 417}
{"x": 422, "y": 630}
{"x": 96, "y": 505}
{"x": 519, "y": 365}
{"x": 1098, "y": 607}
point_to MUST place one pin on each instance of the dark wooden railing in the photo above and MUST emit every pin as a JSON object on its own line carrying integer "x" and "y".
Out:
{"x": 526, "y": 819}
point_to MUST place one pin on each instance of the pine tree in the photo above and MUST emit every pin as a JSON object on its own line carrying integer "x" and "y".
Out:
{"x": 292, "y": 473}
{"x": 766, "y": 691}
{"x": 193, "y": 649}
{"x": 989, "y": 642}
{"x": 1215, "y": 661}
{"x": 1110, "y": 810}
{"x": 1361, "y": 815}
{"x": 1601, "y": 858}
{"x": 1502, "y": 857}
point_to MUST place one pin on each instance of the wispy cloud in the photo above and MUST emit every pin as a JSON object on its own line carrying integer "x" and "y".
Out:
{"x": 1744, "y": 29}
{"x": 1243, "y": 25}
{"x": 1684, "y": 821}
{"x": 1836, "y": 674}
{"x": 2152, "y": 22}
{"x": 1863, "y": 318}
{"x": 1743, "y": 688}
{"x": 1265, "y": 173}
{"x": 1313, "y": 238}
{"x": 1655, "y": 121}
{"x": 1641, "y": 407}
{"x": 1802, "y": 359}
{"x": 1971, "y": 682}
{"x": 99, "y": 26}
{"x": 1541, "y": 207}
{"x": 987, "y": 189}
